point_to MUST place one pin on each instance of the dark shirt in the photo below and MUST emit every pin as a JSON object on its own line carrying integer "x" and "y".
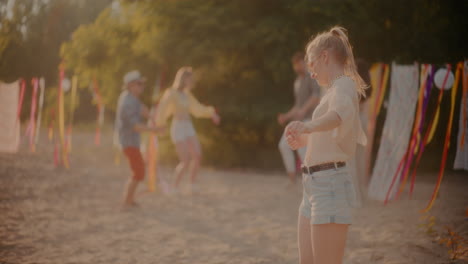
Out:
{"x": 304, "y": 88}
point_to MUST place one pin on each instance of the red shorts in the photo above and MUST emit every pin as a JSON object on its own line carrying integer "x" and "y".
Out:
{"x": 136, "y": 162}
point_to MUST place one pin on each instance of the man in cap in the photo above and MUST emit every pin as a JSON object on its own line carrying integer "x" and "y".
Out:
{"x": 129, "y": 125}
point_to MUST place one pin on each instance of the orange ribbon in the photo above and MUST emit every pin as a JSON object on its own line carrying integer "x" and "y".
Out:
{"x": 463, "y": 105}
{"x": 100, "y": 109}
{"x": 447, "y": 139}
{"x": 429, "y": 133}
{"x": 379, "y": 74}
{"x": 61, "y": 118}
{"x": 416, "y": 127}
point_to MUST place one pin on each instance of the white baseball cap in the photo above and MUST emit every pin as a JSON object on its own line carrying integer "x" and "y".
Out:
{"x": 133, "y": 76}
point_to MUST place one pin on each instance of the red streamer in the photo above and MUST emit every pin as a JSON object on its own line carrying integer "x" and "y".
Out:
{"x": 32, "y": 119}
{"x": 425, "y": 140}
{"x": 447, "y": 139}
{"x": 20, "y": 105}
{"x": 99, "y": 102}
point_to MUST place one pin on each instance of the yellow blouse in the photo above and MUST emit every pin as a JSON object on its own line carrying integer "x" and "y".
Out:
{"x": 179, "y": 103}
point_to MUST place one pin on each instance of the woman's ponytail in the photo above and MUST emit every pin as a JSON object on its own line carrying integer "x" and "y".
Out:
{"x": 350, "y": 65}
{"x": 336, "y": 40}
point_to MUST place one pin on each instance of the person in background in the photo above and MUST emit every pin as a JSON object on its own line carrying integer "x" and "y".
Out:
{"x": 129, "y": 126}
{"x": 307, "y": 96}
{"x": 179, "y": 102}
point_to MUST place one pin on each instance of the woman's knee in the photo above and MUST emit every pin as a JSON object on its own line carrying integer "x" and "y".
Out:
{"x": 184, "y": 162}
{"x": 196, "y": 158}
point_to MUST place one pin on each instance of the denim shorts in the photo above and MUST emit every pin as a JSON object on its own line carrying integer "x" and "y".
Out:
{"x": 182, "y": 130}
{"x": 328, "y": 196}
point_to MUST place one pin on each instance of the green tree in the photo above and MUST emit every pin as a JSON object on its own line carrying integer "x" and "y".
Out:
{"x": 241, "y": 51}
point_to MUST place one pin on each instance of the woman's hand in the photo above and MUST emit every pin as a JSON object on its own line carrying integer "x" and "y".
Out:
{"x": 282, "y": 119}
{"x": 162, "y": 130}
{"x": 293, "y": 142}
{"x": 216, "y": 119}
{"x": 145, "y": 111}
{"x": 295, "y": 134}
{"x": 296, "y": 128}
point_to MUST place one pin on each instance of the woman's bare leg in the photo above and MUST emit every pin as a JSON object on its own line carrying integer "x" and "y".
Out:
{"x": 328, "y": 243}
{"x": 194, "y": 150}
{"x": 184, "y": 161}
{"x": 304, "y": 240}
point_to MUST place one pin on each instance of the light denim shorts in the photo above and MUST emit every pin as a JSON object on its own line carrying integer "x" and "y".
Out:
{"x": 328, "y": 196}
{"x": 182, "y": 130}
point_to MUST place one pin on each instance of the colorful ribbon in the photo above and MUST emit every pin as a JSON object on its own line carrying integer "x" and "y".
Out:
{"x": 155, "y": 181}
{"x": 422, "y": 101}
{"x": 20, "y": 104}
{"x": 61, "y": 119}
{"x": 39, "y": 114}
{"x": 435, "y": 121}
{"x": 32, "y": 120}
{"x": 406, "y": 155}
{"x": 152, "y": 162}
{"x": 424, "y": 94}
{"x": 117, "y": 157}
{"x": 56, "y": 155}
{"x": 379, "y": 74}
{"x": 73, "y": 104}
{"x": 100, "y": 112}
{"x": 447, "y": 138}
{"x": 429, "y": 133}
{"x": 153, "y": 140}
{"x": 383, "y": 89}
{"x": 152, "y": 151}
{"x": 51, "y": 124}
{"x": 400, "y": 165}
{"x": 463, "y": 104}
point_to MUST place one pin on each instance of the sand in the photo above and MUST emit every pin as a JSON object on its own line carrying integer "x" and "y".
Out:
{"x": 50, "y": 215}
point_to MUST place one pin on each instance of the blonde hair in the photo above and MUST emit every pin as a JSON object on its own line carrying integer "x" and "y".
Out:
{"x": 336, "y": 40}
{"x": 180, "y": 80}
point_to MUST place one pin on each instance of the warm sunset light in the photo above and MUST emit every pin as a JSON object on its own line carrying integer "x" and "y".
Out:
{"x": 207, "y": 131}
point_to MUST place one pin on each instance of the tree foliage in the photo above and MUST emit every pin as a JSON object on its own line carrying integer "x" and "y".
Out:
{"x": 240, "y": 49}
{"x": 31, "y": 34}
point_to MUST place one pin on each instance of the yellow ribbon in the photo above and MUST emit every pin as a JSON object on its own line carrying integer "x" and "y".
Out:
{"x": 447, "y": 138}
{"x": 463, "y": 104}
{"x": 152, "y": 163}
{"x": 72, "y": 109}
{"x": 436, "y": 118}
{"x": 379, "y": 74}
{"x": 418, "y": 119}
{"x": 383, "y": 88}
{"x": 375, "y": 73}
{"x": 61, "y": 119}
{"x": 434, "y": 125}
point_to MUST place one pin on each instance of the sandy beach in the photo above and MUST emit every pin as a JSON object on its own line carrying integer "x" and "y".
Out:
{"x": 50, "y": 215}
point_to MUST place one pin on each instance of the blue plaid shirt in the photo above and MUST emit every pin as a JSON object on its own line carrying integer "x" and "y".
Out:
{"x": 128, "y": 115}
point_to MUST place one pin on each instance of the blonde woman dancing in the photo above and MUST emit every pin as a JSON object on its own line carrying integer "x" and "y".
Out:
{"x": 331, "y": 138}
{"x": 179, "y": 103}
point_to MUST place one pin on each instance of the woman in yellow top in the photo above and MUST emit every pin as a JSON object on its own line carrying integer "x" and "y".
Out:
{"x": 179, "y": 103}
{"x": 331, "y": 138}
